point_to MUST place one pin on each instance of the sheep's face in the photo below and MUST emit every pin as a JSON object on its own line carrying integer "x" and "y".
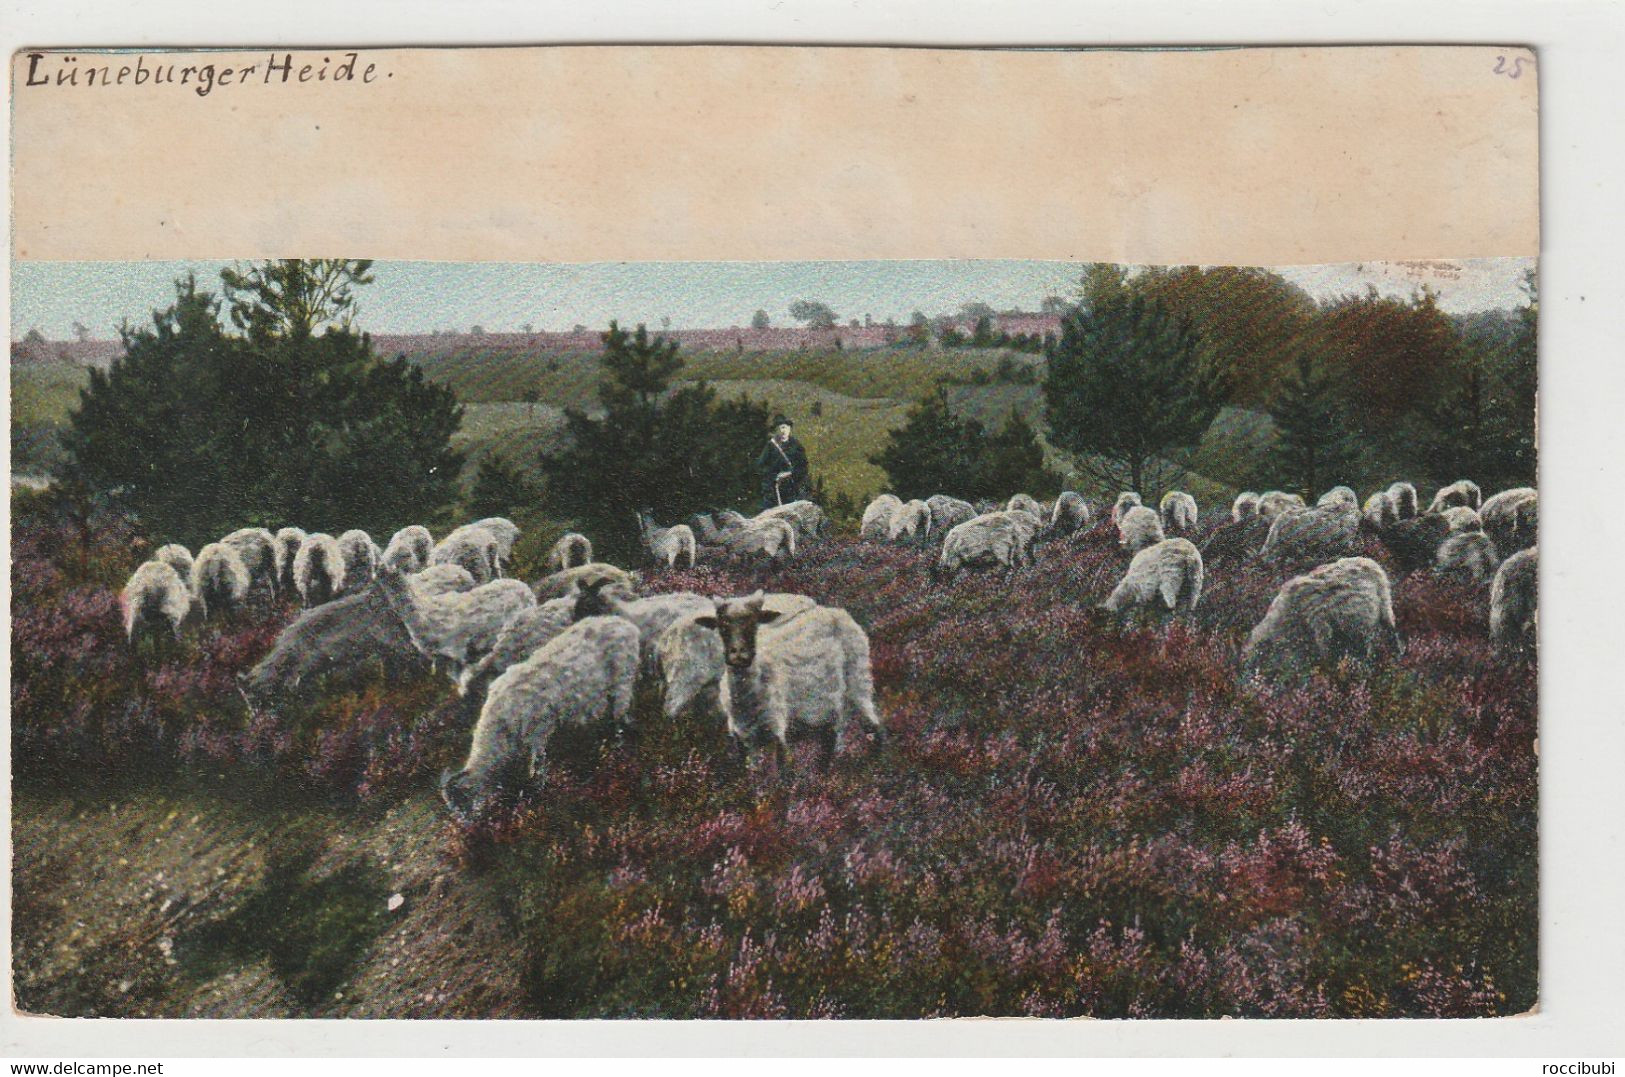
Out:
{"x": 737, "y": 620}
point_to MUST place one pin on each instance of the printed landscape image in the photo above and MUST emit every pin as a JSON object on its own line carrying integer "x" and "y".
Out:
{"x": 781, "y": 640}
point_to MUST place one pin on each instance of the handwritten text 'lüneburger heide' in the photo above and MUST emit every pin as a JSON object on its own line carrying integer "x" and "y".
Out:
{"x": 181, "y": 71}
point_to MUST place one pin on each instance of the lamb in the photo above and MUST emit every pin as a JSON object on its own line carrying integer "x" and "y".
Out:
{"x": 460, "y": 627}
{"x": 318, "y": 570}
{"x": 670, "y": 545}
{"x": 1178, "y": 512}
{"x": 1170, "y": 571}
{"x": 1071, "y": 514}
{"x": 570, "y": 551}
{"x": 1513, "y": 602}
{"x": 409, "y": 549}
{"x": 811, "y": 678}
{"x": 257, "y": 548}
{"x": 1028, "y": 504}
{"x": 1461, "y": 492}
{"x": 1278, "y": 503}
{"x": 1468, "y": 556}
{"x": 652, "y": 615}
{"x": 507, "y": 534}
{"x": 1404, "y": 495}
{"x": 1139, "y": 528}
{"x": 1239, "y": 540}
{"x": 689, "y": 661}
{"x": 1462, "y": 518}
{"x": 155, "y": 598}
{"x": 772, "y": 540}
{"x": 1414, "y": 543}
{"x": 911, "y": 522}
{"x": 288, "y": 541}
{"x": 586, "y": 673}
{"x": 1126, "y": 500}
{"x": 523, "y": 635}
{"x": 1381, "y": 510}
{"x": 1341, "y": 609}
{"x": 474, "y": 548}
{"x": 1244, "y": 507}
{"x": 1339, "y": 495}
{"x": 1313, "y": 535}
{"x": 177, "y": 557}
{"x": 563, "y": 584}
{"x": 1511, "y": 517}
{"x": 993, "y": 538}
{"x": 948, "y": 512}
{"x": 360, "y": 559}
{"x": 877, "y": 516}
{"x": 219, "y": 579}
{"x": 807, "y": 518}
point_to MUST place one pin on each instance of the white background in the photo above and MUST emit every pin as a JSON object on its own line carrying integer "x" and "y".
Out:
{"x": 1582, "y": 75}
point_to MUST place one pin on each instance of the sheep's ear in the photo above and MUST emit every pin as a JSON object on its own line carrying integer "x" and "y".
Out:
{"x": 756, "y": 600}
{"x": 705, "y": 620}
{"x": 767, "y": 617}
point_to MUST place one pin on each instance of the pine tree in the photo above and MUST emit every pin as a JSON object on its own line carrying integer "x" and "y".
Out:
{"x": 1313, "y": 449}
{"x": 933, "y": 452}
{"x": 1012, "y": 461}
{"x": 500, "y": 489}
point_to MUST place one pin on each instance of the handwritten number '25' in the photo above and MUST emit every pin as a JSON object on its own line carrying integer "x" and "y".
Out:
{"x": 1512, "y": 72}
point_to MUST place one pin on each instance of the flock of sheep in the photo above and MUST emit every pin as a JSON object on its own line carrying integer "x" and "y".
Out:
{"x": 776, "y": 667}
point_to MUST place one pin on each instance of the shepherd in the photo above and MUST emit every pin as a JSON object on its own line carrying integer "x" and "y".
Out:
{"x": 783, "y": 467}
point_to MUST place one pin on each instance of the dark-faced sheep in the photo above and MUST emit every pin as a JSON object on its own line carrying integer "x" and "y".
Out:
{"x": 809, "y": 679}
{"x": 1462, "y": 492}
{"x": 572, "y": 550}
{"x": 689, "y": 661}
{"x": 1070, "y": 515}
{"x": 584, "y": 675}
{"x": 475, "y": 548}
{"x": 1511, "y": 518}
{"x": 1461, "y": 518}
{"x": 1126, "y": 500}
{"x": 1339, "y": 495}
{"x": 360, "y": 559}
{"x": 176, "y": 557}
{"x": 1244, "y": 507}
{"x": 257, "y": 548}
{"x": 1513, "y": 598}
{"x": 1168, "y": 574}
{"x": 219, "y": 580}
{"x": 1380, "y": 511}
{"x": 672, "y": 546}
{"x": 507, "y": 533}
{"x": 876, "y": 523}
{"x": 1405, "y": 500}
{"x": 155, "y": 603}
{"x": 1139, "y": 528}
{"x": 948, "y": 513}
{"x": 1344, "y": 609}
{"x": 1313, "y": 535}
{"x": 1178, "y": 512}
{"x": 409, "y": 549}
{"x": 911, "y": 522}
{"x": 318, "y": 570}
{"x": 1278, "y": 503}
{"x": 1469, "y": 556}
{"x": 288, "y": 541}
{"x": 1414, "y": 543}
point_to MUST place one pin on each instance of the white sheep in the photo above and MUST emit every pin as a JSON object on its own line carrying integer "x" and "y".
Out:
{"x": 876, "y": 523}
{"x": 1170, "y": 572}
{"x": 571, "y": 550}
{"x": 288, "y": 541}
{"x": 1461, "y": 518}
{"x": 811, "y": 678}
{"x": 1278, "y": 503}
{"x": 991, "y": 539}
{"x": 409, "y": 549}
{"x": 772, "y": 539}
{"x": 475, "y": 548}
{"x": 563, "y": 584}
{"x": 1028, "y": 504}
{"x": 1405, "y": 500}
{"x": 177, "y": 557}
{"x": 1339, "y": 495}
{"x": 1512, "y": 518}
{"x": 808, "y": 519}
{"x": 671, "y": 546}
{"x": 651, "y": 615}
{"x": 1313, "y": 534}
{"x": 1463, "y": 492}
{"x": 689, "y": 661}
{"x": 1126, "y": 500}
{"x": 1381, "y": 510}
{"x": 911, "y": 522}
{"x": 459, "y": 627}
{"x": 585, "y": 674}
{"x": 507, "y": 534}
{"x": 318, "y": 570}
{"x": 948, "y": 513}
{"x": 1070, "y": 515}
{"x": 1244, "y": 507}
{"x": 1178, "y": 512}
{"x": 220, "y": 580}
{"x": 1468, "y": 555}
{"x": 442, "y": 579}
{"x": 520, "y": 637}
{"x": 360, "y": 555}
{"x": 1341, "y": 609}
{"x": 1513, "y": 598}
{"x": 1138, "y": 528}
{"x": 155, "y": 599}
{"x": 257, "y": 548}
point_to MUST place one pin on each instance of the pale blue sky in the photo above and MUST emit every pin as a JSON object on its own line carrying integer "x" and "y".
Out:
{"x": 422, "y": 296}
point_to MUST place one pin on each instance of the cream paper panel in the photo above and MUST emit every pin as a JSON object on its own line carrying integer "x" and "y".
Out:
{"x": 1245, "y": 156}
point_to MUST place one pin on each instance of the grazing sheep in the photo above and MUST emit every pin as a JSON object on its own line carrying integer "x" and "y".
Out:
{"x": 1244, "y": 507}
{"x": 1462, "y": 492}
{"x": 773, "y": 539}
{"x": 808, "y": 519}
{"x": 1405, "y": 500}
{"x": 1139, "y": 528}
{"x": 474, "y": 548}
{"x": 1278, "y": 503}
{"x": 728, "y": 519}
{"x": 586, "y": 673}
{"x": 877, "y": 516}
{"x": 1511, "y": 517}
{"x": 1342, "y": 609}
{"x": 911, "y": 522}
{"x": 809, "y": 678}
{"x": 1380, "y": 511}
{"x": 176, "y": 557}
{"x": 689, "y": 661}
{"x": 1313, "y": 535}
{"x": 1028, "y": 504}
{"x": 991, "y": 539}
{"x": 1462, "y": 518}
{"x": 522, "y": 636}
{"x": 652, "y": 615}
{"x": 459, "y": 627}
{"x": 1239, "y": 540}
{"x": 571, "y": 551}
{"x": 1513, "y": 602}
{"x": 219, "y": 579}
{"x": 346, "y": 642}
{"x": 563, "y": 584}
{"x": 1126, "y": 500}
{"x": 1414, "y": 543}
{"x": 1178, "y": 512}
{"x": 1339, "y": 495}
{"x": 257, "y": 548}
{"x": 1469, "y": 556}
{"x": 155, "y": 599}
{"x": 409, "y": 549}
{"x": 507, "y": 534}
{"x": 318, "y": 570}
{"x": 360, "y": 555}
{"x": 1171, "y": 571}
{"x": 288, "y": 541}
{"x": 668, "y": 545}
{"x": 1070, "y": 515}
{"x": 706, "y": 531}
{"x": 948, "y": 512}
{"x": 442, "y": 579}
